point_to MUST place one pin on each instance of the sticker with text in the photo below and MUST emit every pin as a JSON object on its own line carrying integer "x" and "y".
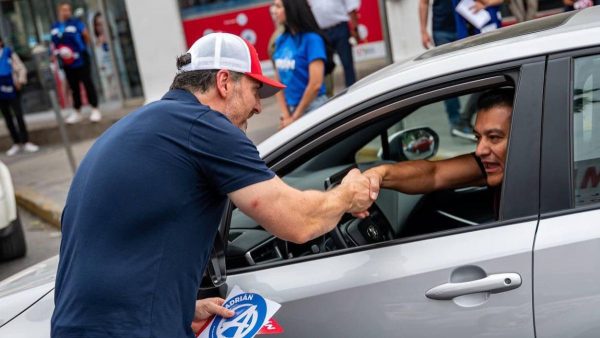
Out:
{"x": 252, "y": 313}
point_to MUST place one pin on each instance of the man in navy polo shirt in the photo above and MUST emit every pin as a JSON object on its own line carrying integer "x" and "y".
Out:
{"x": 145, "y": 204}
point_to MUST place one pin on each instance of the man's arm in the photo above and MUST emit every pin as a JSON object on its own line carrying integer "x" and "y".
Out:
{"x": 299, "y": 216}
{"x": 423, "y": 15}
{"x": 421, "y": 176}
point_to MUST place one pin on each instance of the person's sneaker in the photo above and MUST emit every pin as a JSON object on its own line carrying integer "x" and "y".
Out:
{"x": 30, "y": 147}
{"x": 73, "y": 118}
{"x": 463, "y": 132}
{"x": 13, "y": 150}
{"x": 96, "y": 116}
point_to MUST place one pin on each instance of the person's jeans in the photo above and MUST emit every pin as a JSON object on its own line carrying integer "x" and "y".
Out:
{"x": 452, "y": 105}
{"x": 338, "y": 37}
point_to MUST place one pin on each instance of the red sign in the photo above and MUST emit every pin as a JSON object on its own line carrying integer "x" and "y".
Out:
{"x": 271, "y": 327}
{"x": 254, "y": 23}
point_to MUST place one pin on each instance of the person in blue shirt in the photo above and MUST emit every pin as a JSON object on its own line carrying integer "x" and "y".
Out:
{"x": 143, "y": 209}
{"x": 299, "y": 59}
{"x": 465, "y": 29}
{"x": 13, "y": 76}
{"x": 70, "y": 38}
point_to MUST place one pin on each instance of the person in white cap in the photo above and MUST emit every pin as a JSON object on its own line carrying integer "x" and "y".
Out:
{"x": 144, "y": 206}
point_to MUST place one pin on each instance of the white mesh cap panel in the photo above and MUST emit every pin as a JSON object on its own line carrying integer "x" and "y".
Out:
{"x": 219, "y": 51}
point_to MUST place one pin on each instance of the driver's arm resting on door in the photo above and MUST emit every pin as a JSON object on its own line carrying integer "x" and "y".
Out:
{"x": 299, "y": 216}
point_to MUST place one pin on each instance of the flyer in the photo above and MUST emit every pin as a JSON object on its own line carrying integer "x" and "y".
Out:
{"x": 252, "y": 312}
{"x": 478, "y": 19}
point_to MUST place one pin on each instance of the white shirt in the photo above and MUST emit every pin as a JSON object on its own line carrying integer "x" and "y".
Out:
{"x": 329, "y": 13}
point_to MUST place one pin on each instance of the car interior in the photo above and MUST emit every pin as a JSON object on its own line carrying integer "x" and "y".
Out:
{"x": 418, "y": 133}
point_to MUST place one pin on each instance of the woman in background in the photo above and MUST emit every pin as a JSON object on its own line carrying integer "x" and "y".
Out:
{"x": 299, "y": 58}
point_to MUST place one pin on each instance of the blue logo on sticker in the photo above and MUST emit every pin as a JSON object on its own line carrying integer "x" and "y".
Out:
{"x": 250, "y": 312}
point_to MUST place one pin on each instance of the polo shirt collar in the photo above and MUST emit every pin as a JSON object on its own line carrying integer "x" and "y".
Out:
{"x": 180, "y": 95}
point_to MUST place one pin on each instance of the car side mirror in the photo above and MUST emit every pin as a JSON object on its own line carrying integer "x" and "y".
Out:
{"x": 413, "y": 144}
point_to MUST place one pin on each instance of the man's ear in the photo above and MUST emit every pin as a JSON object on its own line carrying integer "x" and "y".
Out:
{"x": 222, "y": 83}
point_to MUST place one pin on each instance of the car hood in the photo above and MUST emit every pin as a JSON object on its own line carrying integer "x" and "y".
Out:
{"x": 20, "y": 291}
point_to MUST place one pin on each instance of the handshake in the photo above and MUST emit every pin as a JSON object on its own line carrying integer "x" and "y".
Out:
{"x": 360, "y": 190}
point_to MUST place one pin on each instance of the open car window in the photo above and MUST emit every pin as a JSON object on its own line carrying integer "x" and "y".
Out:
{"x": 421, "y": 132}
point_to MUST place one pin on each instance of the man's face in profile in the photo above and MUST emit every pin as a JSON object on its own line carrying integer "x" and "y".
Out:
{"x": 492, "y": 129}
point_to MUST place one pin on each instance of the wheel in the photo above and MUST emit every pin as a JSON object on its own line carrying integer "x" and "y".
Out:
{"x": 12, "y": 241}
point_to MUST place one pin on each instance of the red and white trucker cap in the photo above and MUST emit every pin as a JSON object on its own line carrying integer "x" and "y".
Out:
{"x": 231, "y": 52}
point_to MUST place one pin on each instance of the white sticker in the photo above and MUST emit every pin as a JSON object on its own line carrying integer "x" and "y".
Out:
{"x": 252, "y": 312}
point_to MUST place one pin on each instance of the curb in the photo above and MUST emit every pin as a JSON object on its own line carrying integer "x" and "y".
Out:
{"x": 39, "y": 205}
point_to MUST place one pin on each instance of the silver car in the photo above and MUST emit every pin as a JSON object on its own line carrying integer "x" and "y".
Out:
{"x": 443, "y": 264}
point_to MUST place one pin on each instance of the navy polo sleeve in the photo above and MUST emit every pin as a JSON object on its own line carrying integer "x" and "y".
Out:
{"x": 227, "y": 159}
{"x": 315, "y": 47}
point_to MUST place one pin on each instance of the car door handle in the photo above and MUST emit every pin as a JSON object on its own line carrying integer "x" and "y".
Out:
{"x": 493, "y": 283}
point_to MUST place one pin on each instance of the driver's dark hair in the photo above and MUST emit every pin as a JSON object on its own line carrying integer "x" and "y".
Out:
{"x": 197, "y": 80}
{"x": 497, "y": 97}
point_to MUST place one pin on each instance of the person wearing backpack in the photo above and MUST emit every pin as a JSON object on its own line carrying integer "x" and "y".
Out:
{"x": 301, "y": 60}
{"x": 13, "y": 76}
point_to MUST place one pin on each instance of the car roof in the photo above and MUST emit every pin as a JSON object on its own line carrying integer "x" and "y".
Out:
{"x": 551, "y": 34}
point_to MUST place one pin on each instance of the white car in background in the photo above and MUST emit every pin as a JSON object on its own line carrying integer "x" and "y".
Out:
{"x": 444, "y": 264}
{"x": 12, "y": 238}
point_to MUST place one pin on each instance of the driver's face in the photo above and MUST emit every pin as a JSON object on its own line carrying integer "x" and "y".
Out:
{"x": 491, "y": 129}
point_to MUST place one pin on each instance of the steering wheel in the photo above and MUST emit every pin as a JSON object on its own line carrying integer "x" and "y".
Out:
{"x": 354, "y": 231}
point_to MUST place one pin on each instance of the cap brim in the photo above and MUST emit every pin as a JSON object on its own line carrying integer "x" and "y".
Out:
{"x": 269, "y": 88}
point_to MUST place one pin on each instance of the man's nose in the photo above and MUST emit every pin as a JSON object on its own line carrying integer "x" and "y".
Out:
{"x": 482, "y": 148}
{"x": 258, "y": 107}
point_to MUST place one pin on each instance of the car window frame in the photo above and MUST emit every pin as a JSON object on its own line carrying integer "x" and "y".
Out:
{"x": 524, "y": 73}
{"x": 557, "y": 194}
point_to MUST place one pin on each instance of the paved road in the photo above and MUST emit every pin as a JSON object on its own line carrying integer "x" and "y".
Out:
{"x": 43, "y": 241}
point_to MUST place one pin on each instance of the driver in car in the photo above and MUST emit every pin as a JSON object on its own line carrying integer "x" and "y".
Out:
{"x": 483, "y": 167}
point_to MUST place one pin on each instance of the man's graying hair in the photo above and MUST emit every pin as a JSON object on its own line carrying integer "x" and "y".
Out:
{"x": 197, "y": 80}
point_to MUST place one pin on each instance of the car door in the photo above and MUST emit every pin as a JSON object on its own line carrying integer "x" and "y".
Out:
{"x": 483, "y": 272}
{"x": 567, "y": 247}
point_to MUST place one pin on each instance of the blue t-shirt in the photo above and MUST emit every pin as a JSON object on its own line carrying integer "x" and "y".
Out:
{"x": 69, "y": 33}
{"x": 293, "y": 54}
{"x": 141, "y": 217}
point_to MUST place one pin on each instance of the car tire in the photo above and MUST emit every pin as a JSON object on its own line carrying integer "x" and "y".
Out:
{"x": 12, "y": 241}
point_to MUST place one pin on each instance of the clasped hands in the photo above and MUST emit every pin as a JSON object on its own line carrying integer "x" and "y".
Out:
{"x": 364, "y": 188}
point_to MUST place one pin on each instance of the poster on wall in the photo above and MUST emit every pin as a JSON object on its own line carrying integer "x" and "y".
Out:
{"x": 254, "y": 23}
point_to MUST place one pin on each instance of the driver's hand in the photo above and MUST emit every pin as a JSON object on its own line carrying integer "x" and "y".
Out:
{"x": 206, "y": 309}
{"x": 362, "y": 195}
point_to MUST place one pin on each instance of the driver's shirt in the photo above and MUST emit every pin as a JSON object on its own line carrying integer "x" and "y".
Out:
{"x": 141, "y": 217}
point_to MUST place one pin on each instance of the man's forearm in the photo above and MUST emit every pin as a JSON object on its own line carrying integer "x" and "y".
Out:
{"x": 410, "y": 177}
{"x": 321, "y": 212}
